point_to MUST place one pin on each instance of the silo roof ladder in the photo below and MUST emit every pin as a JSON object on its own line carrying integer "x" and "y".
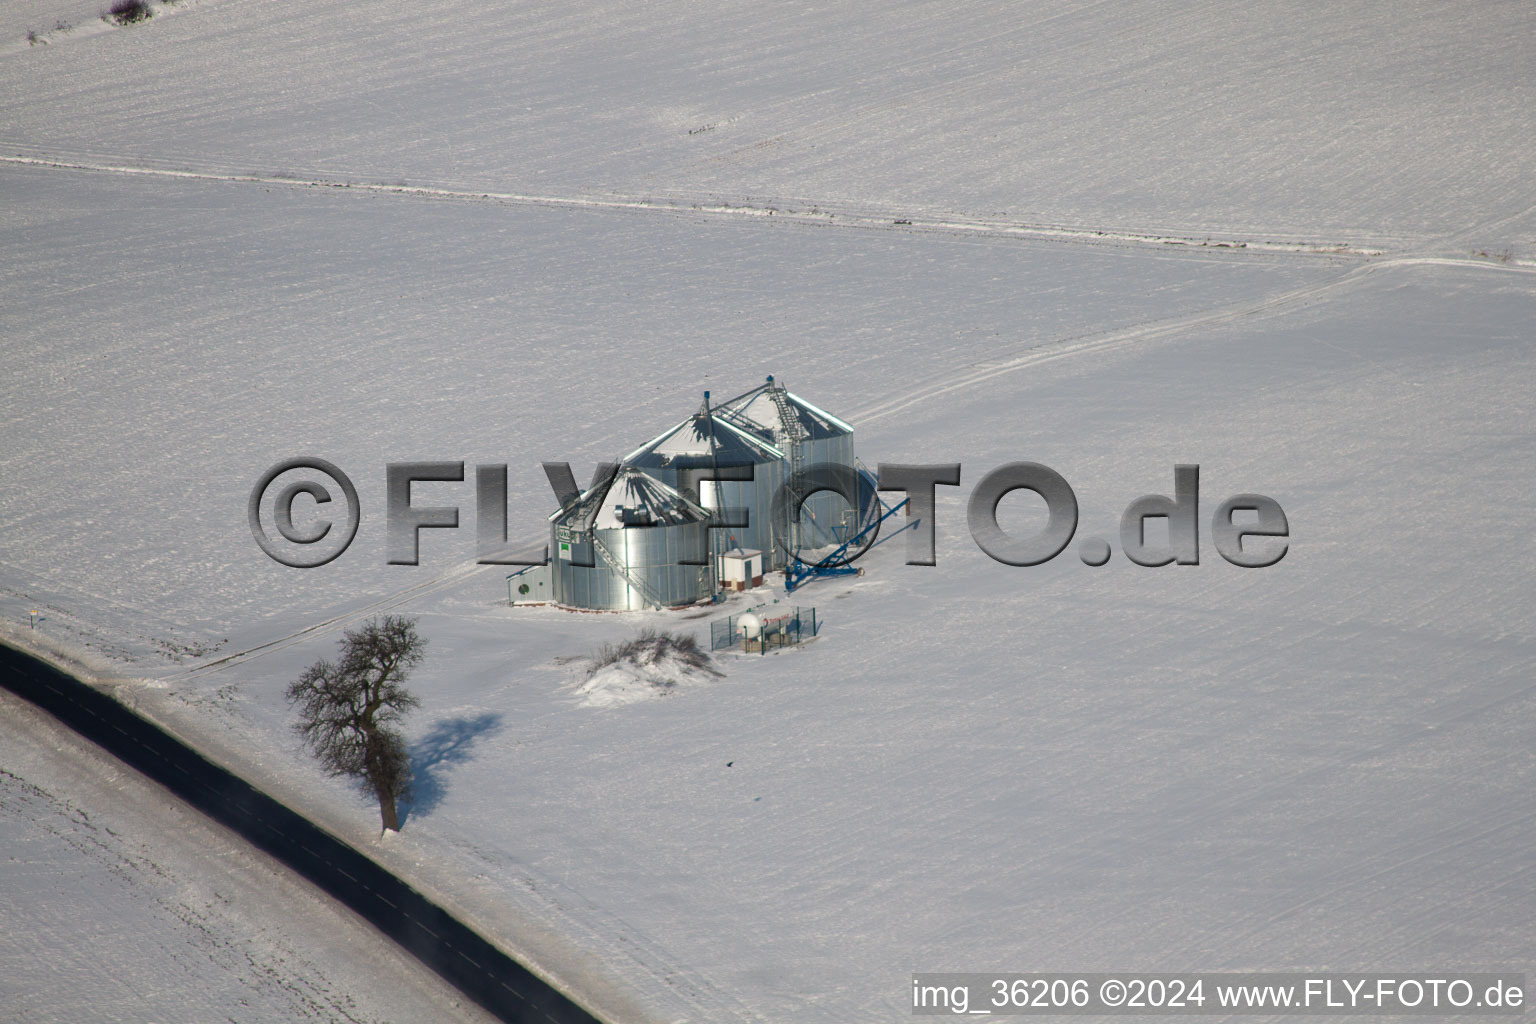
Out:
{"x": 793, "y": 432}
{"x": 789, "y": 420}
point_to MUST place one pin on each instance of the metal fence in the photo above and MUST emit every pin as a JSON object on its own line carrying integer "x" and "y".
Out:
{"x": 764, "y": 631}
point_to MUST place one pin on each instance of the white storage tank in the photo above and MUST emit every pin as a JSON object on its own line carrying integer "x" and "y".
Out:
{"x": 646, "y": 545}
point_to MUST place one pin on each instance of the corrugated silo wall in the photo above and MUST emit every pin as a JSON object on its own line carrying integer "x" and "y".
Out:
{"x": 755, "y": 496}
{"x": 654, "y": 555}
{"x": 826, "y": 510}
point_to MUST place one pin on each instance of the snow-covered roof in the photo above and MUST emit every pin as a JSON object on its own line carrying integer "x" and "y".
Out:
{"x": 700, "y": 438}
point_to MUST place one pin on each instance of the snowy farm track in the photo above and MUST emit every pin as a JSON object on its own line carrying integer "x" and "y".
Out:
{"x": 1154, "y": 330}
{"x": 456, "y": 574}
{"x": 1076, "y": 114}
{"x": 803, "y": 212}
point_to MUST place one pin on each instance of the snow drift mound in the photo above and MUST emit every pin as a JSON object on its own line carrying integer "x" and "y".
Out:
{"x": 653, "y": 664}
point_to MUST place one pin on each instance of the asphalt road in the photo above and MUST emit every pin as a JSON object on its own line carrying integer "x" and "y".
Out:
{"x": 470, "y": 963}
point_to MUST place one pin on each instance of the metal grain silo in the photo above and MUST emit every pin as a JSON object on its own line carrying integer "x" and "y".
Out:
{"x": 705, "y": 443}
{"x": 645, "y": 545}
{"x": 809, "y": 437}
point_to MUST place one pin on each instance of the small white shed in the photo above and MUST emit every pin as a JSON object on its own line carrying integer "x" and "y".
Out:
{"x": 741, "y": 569}
{"x": 530, "y": 586}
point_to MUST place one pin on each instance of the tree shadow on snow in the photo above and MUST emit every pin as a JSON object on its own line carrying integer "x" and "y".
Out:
{"x": 433, "y": 757}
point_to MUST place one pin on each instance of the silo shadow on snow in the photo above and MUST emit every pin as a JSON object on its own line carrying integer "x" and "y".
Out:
{"x": 446, "y": 745}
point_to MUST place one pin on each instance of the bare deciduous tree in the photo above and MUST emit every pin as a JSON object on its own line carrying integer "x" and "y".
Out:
{"x": 348, "y": 709}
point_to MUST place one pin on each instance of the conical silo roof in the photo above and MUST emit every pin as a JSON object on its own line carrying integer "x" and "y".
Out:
{"x": 631, "y": 498}
{"x": 700, "y": 440}
{"x": 758, "y": 412}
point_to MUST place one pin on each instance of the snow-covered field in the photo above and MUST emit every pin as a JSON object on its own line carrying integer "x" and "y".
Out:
{"x": 1297, "y": 249}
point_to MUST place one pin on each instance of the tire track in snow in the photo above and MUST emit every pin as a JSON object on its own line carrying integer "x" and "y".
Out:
{"x": 1432, "y": 922}
{"x": 1479, "y": 829}
{"x": 796, "y": 212}
{"x": 1153, "y": 330}
{"x": 1351, "y": 881}
{"x": 453, "y": 575}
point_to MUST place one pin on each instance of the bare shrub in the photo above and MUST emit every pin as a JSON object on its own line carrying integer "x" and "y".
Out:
{"x": 126, "y": 12}
{"x": 648, "y": 647}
